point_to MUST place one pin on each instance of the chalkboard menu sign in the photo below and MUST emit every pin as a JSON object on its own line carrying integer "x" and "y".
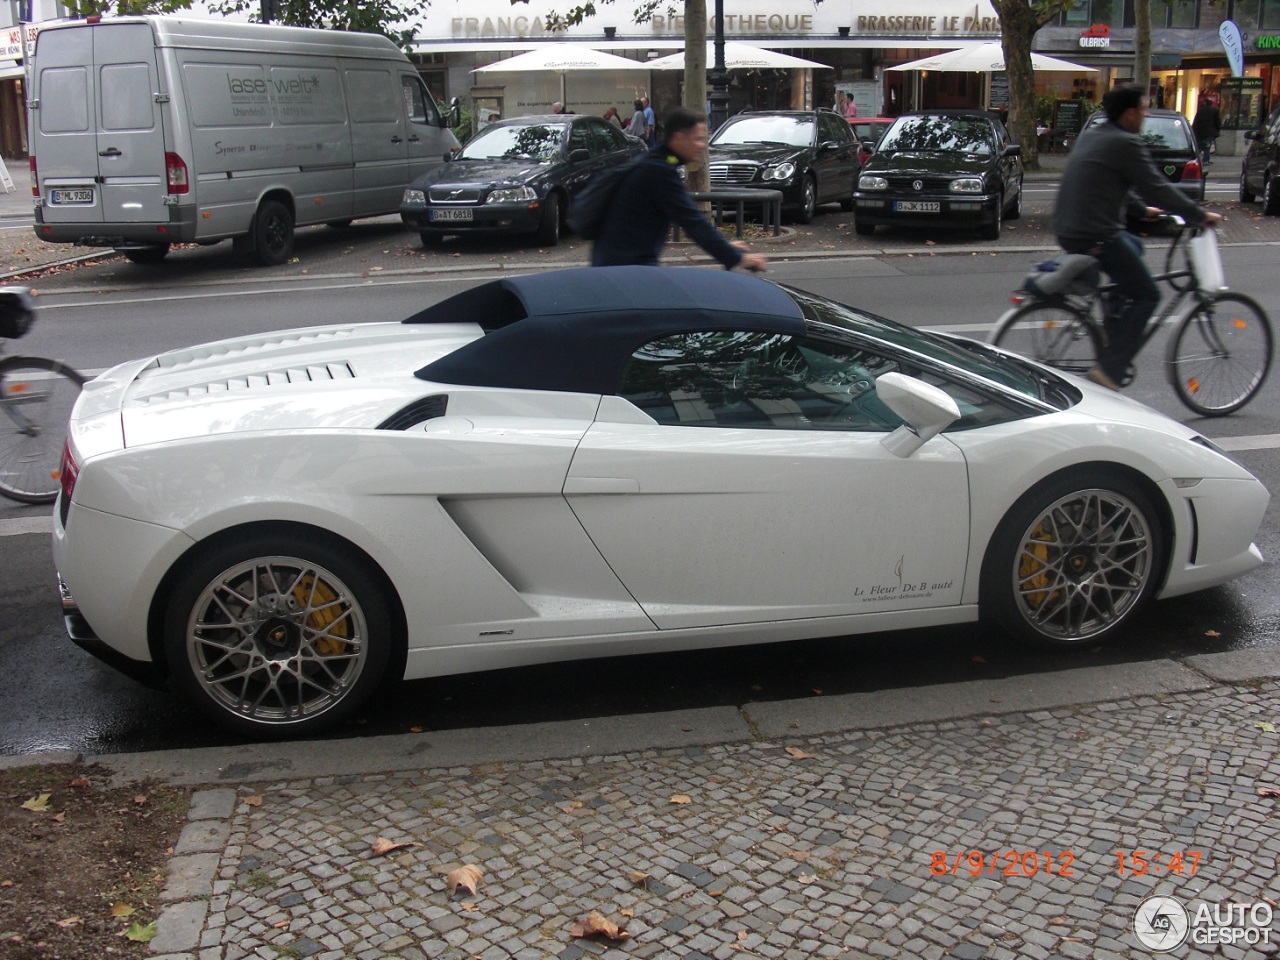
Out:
{"x": 1068, "y": 115}
{"x": 999, "y": 91}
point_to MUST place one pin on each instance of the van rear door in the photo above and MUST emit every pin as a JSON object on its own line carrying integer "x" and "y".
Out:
{"x": 100, "y": 148}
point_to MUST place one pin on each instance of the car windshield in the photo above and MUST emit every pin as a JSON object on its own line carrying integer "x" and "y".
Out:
{"x": 869, "y": 131}
{"x": 786, "y": 131}
{"x": 1165, "y": 133}
{"x": 939, "y": 135}
{"x": 537, "y": 142}
{"x": 973, "y": 359}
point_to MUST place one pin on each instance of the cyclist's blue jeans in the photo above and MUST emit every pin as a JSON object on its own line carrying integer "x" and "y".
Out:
{"x": 1121, "y": 259}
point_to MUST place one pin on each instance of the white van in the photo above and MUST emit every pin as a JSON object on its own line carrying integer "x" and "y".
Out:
{"x": 147, "y": 131}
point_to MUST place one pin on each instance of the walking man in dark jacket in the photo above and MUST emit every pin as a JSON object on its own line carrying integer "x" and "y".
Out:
{"x": 653, "y": 197}
{"x": 1206, "y": 126}
{"x": 1106, "y": 167}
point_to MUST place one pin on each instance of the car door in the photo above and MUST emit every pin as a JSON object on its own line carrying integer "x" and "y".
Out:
{"x": 1262, "y": 153}
{"x": 740, "y": 478}
{"x": 836, "y": 164}
{"x": 578, "y": 173}
{"x": 1010, "y": 166}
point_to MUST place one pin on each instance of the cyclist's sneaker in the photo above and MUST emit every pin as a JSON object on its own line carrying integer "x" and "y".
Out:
{"x": 1099, "y": 376}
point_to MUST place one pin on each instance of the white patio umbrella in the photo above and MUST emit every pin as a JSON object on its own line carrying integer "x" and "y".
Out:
{"x": 988, "y": 58}
{"x": 562, "y": 58}
{"x": 740, "y": 56}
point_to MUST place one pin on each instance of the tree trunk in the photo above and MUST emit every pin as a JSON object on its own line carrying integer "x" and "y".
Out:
{"x": 695, "y": 80}
{"x": 1142, "y": 44}
{"x": 1018, "y": 26}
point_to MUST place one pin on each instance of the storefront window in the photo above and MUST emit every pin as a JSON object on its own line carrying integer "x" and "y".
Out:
{"x": 1182, "y": 13}
{"x": 1245, "y": 14}
{"x": 1212, "y": 13}
{"x": 1270, "y": 14}
{"x": 1077, "y": 14}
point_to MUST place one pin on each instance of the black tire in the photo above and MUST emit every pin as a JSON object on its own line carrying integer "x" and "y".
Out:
{"x": 431, "y": 239}
{"x": 1271, "y": 197}
{"x": 272, "y": 234}
{"x": 148, "y": 255}
{"x": 808, "y": 201}
{"x": 1073, "y": 560}
{"x": 863, "y": 229}
{"x": 1219, "y": 358}
{"x": 36, "y": 397}
{"x": 1049, "y": 333}
{"x": 301, "y": 656}
{"x": 991, "y": 231}
{"x": 548, "y": 234}
{"x": 1015, "y": 211}
{"x": 1246, "y": 195}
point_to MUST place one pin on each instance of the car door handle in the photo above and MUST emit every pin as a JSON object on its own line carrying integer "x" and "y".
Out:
{"x": 110, "y": 152}
{"x": 415, "y": 139}
{"x": 397, "y": 140}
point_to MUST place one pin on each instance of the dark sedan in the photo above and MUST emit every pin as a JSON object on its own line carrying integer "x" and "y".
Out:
{"x": 515, "y": 177}
{"x": 1168, "y": 137}
{"x": 810, "y": 155}
{"x": 941, "y": 168}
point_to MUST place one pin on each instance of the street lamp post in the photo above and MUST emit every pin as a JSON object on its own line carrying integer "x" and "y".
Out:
{"x": 718, "y": 75}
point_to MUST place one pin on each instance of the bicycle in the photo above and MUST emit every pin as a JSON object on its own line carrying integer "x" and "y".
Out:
{"x": 36, "y": 396}
{"x": 1219, "y": 352}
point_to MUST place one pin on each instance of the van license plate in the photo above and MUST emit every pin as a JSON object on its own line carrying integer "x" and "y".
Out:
{"x": 72, "y": 196}
{"x": 918, "y": 206}
{"x": 450, "y": 214}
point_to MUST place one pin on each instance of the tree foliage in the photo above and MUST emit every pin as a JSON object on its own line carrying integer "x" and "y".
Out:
{"x": 87, "y": 8}
{"x": 395, "y": 19}
{"x": 1019, "y": 21}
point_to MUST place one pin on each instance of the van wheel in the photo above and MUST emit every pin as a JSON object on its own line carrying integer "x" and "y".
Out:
{"x": 273, "y": 234}
{"x": 153, "y": 254}
{"x": 549, "y": 229}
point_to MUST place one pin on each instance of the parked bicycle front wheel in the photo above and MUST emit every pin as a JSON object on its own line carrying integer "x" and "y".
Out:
{"x": 1220, "y": 356}
{"x": 36, "y": 396}
{"x": 1053, "y": 334}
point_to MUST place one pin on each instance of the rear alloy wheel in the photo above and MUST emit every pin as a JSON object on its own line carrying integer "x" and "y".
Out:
{"x": 1072, "y": 561}
{"x": 148, "y": 255}
{"x": 272, "y": 234}
{"x": 278, "y": 635}
{"x": 1246, "y": 195}
{"x": 549, "y": 226}
{"x": 808, "y": 201}
{"x": 1271, "y": 197}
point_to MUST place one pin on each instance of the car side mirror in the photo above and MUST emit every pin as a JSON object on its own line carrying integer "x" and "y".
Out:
{"x": 579, "y": 155}
{"x": 1252, "y": 134}
{"x": 827, "y": 146}
{"x": 1013, "y": 149}
{"x": 455, "y": 113}
{"x": 869, "y": 146}
{"x": 925, "y": 410}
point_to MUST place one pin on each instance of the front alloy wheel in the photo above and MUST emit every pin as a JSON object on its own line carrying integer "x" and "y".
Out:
{"x": 1071, "y": 563}
{"x": 278, "y": 638}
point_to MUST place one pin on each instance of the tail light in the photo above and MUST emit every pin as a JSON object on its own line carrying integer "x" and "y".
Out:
{"x": 1191, "y": 171}
{"x": 68, "y": 472}
{"x": 175, "y": 169}
{"x": 1017, "y": 298}
{"x": 35, "y": 180}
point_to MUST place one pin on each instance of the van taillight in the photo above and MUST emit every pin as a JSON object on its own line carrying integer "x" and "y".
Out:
{"x": 35, "y": 180}
{"x": 175, "y": 169}
{"x": 1191, "y": 171}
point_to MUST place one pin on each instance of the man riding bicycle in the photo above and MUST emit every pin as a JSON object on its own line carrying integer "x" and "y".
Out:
{"x": 1108, "y": 165}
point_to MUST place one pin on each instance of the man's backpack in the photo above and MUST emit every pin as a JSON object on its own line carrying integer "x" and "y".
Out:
{"x": 591, "y": 206}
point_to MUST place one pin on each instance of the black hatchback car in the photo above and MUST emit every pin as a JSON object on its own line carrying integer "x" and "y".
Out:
{"x": 1168, "y": 137}
{"x": 515, "y": 176}
{"x": 941, "y": 168}
{"x": 810, "y": 155}
{"x": 1260, "y": 173}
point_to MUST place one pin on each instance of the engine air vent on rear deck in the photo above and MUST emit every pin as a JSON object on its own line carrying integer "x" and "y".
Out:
{"x": 422, "y": 409}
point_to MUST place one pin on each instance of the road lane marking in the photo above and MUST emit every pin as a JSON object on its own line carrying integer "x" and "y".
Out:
{"x": 20, "y": 525}
{"x": 1264, "y": 441}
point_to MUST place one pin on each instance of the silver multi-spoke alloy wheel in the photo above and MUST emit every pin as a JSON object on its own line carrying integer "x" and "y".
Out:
{"x": 277, "y": 640}
{"x": 1070, "y": 565}
{"x": 278, "y": 637}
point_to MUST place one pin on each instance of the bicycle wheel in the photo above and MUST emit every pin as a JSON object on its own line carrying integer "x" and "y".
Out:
{"x": 36, "y": 396}
{"x": 1053, "y": 334}
{"x": 1220, "y": 355}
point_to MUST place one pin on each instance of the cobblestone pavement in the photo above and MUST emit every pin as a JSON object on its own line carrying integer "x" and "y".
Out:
{"x": 997, "y": 835}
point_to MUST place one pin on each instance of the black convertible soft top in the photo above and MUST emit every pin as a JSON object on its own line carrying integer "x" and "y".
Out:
{"x": 575, "y": 330}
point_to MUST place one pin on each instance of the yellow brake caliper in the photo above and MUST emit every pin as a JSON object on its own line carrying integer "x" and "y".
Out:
{"x": 1032, "y": 569}
{"x": 319, "y": 594}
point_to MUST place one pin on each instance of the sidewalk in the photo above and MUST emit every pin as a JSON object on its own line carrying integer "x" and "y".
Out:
{"x": 994, "y": 819}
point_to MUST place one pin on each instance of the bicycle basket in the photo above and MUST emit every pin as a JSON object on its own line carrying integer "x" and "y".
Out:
{"x": 17, "y": 312}
{"x": 1070, "y": 273}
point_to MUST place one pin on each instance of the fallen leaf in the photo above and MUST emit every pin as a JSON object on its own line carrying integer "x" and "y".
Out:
{"x": 1266, "y": 727}
{"x": 468, "y": 906}
{"x": 69, "y": 922}
{"x": 715, "y": 893}
{"x": 142, "y": 933}
{"x": 141, "y": 799}
{"x": 78, "y": 782}
{"x": 253, "y": 801}
{"x": 817, "y": 691}
{"x": 60, "y": 817}
{"x": 282, "y": 925}
{"x": 466, "y": 878}
{"x": 637, "y": 876}
{"x": 795, "y": 753}
{"x": 121, "y": 909}
{"x": 415, "y": 729}
{"x": 1269, "y": 791}
{"x": 594, "y": 924}
{"x": 1062, "y": 921}
{"x": 1212, "y": 633}
{"x": 681, "y": 799}
{"x": 382, "y": 846}
{"x": 571, "y": 806}
{"x": 627, "y": 912}
{"x": 37, "y": 803}
{"x": 808, "y": 878}
{"x": 742, "y": 934}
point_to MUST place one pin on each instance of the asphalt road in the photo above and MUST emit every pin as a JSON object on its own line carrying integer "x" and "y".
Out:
{"x": 60, "y": 699}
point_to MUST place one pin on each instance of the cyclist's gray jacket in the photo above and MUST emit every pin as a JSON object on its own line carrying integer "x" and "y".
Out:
{"x": 1105, "y": 164}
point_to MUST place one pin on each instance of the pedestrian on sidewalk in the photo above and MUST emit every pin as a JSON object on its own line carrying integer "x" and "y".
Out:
{"x": 653, "y": 197}
{"x": 1206, "y": 126}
